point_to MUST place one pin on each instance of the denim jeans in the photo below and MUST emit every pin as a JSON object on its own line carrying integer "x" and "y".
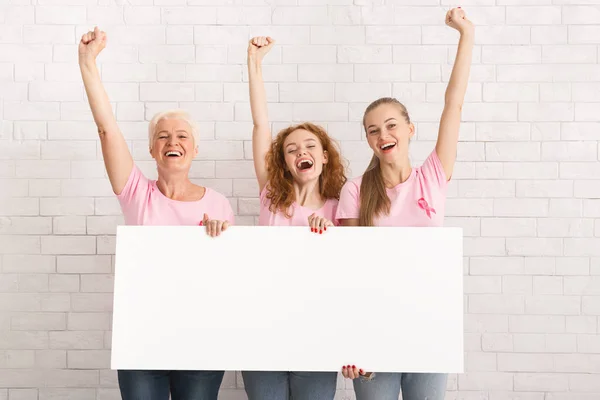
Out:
{"x": 387, "y": 386}
{"x": 182, "y": 385}
{"x": 282, "y": 385}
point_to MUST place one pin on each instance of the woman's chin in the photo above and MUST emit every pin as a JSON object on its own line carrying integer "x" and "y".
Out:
{"x": 173, "y": 165}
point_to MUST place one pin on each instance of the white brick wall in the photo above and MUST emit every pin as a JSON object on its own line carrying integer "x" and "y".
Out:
{"x": 525, "y": 189}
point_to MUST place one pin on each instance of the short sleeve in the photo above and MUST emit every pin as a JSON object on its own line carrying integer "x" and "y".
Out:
{"x": 433, "y": 171}
{"x": 336, "y": 221}
{"x": 135, "y": 190}
{"x": 348, "y": 206}
{"x": 263, "y": 193}
{"x": 265, "y": 202}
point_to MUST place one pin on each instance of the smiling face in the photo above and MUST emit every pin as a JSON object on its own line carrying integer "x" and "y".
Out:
{"x": 173, "y": 146}
{"x": 388, "y": 132}
{"x": 304, "y": 155}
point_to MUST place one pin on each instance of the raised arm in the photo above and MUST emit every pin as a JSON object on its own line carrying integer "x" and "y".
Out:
{"x": 447, "y": 141}
{"x": 117, "y": 158}
{"x": 261, "y": 133}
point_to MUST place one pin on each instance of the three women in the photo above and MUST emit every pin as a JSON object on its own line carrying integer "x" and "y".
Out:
{"x": 301, "y": 182}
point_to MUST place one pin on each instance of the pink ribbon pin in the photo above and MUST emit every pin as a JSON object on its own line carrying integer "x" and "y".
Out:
{"x": 423, "y": 204}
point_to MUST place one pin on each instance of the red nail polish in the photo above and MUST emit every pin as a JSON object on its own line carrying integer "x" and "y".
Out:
{"x": 320, "y": 232}
{"x": 361, "y": 371}
{"x": 201, "y": 223}
{"x": 325, "y": 228}
{"x": 311, "y": 229}
{"x": 354, "y": 366}
{"x": 344, "y": 367}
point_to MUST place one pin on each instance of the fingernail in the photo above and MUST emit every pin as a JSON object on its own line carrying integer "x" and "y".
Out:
{"x": 312, "y": 230}
{"x": 344, "y": 367}
{"x": 320, "y": 232}
{"x": 325, "y": 228}
{"x": 354, "y": 366}
{"x": 348, "y": 366}
{"x": 361, "y": 371}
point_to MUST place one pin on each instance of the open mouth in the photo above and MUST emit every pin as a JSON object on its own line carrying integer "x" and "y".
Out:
{"x": 304, "y": 165}
{"x": 387, "y": 146}
{"x": 173, "y": 153}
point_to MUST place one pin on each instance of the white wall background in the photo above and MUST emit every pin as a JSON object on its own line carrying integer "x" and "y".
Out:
{"x": 525, "y": 190}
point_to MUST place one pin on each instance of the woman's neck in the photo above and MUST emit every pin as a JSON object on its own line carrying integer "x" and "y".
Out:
{"x": 176, "y": 186}
{"x": 308, "y": 194}
{"x": 396, "y": 172}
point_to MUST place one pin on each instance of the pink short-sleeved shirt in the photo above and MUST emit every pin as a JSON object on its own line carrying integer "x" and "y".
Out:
{"x": 299, "y": 213}
{"x": 143, "y": 204}
{"x": 418, "y": 201}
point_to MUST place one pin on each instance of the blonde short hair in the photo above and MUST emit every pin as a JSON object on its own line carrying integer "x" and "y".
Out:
{"x": 172, "y": 114}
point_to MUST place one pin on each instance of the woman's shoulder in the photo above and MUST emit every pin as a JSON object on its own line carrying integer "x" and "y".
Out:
{"x": 432, "y": 170}
{"x": 356, "y": 180}
{"x": 214, "y": 196}
{"x": 217, "y": 205}
{"x": 331, "y": 202}
{"x": 353, "y": 184}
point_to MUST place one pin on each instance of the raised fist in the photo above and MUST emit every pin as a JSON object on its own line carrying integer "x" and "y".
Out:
{"x": 456, "y": 18}
{"x": 91, "y": 44}
{"x": 259, "y": 46}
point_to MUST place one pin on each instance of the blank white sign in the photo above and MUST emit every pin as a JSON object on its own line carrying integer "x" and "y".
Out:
{"x": 283, "y": 298}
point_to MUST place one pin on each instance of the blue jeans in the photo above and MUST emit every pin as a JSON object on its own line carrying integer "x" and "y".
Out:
{"x": 183, "y": 385}
{"x": 387, "y": 386}
{"x": 282, "y": 385}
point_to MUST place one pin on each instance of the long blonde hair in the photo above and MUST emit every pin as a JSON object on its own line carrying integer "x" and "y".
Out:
{"x": 374, "y": 200}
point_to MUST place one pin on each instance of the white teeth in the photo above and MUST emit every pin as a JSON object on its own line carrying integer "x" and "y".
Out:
{"x": 175, "y": 153}
{"x": 303, "y": 162}
{"x": 387, "y": 145}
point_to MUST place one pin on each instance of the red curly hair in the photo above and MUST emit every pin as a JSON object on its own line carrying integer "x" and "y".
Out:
{"x": 280, "y": 187}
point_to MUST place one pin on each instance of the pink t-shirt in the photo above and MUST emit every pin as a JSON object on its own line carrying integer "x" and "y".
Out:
{"x": 143, "y": 204}
{"x": 418, "y": 201}
{"x": 299, "y": 213}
